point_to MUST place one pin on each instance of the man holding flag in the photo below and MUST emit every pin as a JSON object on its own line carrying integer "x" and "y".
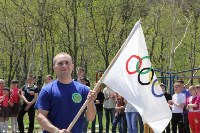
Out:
{"x": 140, "y": 85}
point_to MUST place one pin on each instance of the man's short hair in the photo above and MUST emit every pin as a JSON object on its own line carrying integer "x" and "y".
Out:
{"x": 61, "y": 53}
{"x": 180, "y": 81}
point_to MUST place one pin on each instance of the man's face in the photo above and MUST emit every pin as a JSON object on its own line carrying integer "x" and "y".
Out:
{"x": 63, "y": 66}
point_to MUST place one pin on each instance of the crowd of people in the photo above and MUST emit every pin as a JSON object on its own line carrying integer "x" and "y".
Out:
{"x": 185, "y": 106}
{"x": 59, "y": 101}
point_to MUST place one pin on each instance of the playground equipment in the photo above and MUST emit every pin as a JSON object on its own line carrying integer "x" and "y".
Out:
{"x": 168, "y": 78}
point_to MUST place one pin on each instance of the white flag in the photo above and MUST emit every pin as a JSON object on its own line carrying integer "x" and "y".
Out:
{"x": 132, "y": 76}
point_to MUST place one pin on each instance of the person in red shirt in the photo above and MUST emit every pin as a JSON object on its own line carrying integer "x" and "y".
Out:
{"x": 6, "y": 101}
{"x": 193, "y": 105}
{"x": 15, "y": 94}
{"x": 2, "y": 83}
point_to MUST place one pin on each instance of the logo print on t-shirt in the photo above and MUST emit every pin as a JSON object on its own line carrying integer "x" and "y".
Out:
{"x": 76, "y": 97}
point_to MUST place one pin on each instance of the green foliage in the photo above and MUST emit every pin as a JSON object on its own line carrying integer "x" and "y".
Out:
{"x": 32, "y": 32}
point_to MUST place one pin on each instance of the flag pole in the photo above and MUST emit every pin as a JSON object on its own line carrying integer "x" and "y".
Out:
{"x": 97, "y": 86}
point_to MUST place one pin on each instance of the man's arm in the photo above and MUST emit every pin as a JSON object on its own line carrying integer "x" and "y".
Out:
{"x": 44, "y": 122}
{"x": 91, "y": 109}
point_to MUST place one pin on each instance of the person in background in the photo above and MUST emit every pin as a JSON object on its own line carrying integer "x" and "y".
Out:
{"x": 119, "y": 114}
{"x": 109, "y": 106}
{"x": 29, "y": 96}
{"x": 185, "y": 91}
{"x": 177, "y": 104}
{"x": 60, "y": 101}
{"x": 167, "y": 97}
{"x": 7, "y": 102}
{"x": 81, "y": 73}
{"x": 193, "y": 107}
{"x": 99, "y": 107}
{"x": 131, "y": 117}
{"x": 48, "y": 79}
{"x": 197, "y": 102}
{"x": 15, "y": 94}
{"x": 2, "y": 83}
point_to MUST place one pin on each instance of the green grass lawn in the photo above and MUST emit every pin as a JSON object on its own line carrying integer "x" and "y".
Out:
{"x": 38, "y": 127}
{"x": 26, "y": 123}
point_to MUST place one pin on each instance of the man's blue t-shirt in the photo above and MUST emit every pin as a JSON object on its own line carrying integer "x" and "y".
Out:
{"x": 63, "y": 101}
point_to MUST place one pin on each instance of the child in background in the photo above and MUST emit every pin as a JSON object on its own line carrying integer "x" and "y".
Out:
{"x": 194, "y": 110}
{"x": 99, "y": 108}
{"x": 2, "y": 83}
{"x": 48, "y": 79}
{"x": 177, "y": 104}
{"x": 15, "y": 94}
{"x": 198, "y": 104}
{"x": 6, "y": 101}
{"x": 119, "y": 114}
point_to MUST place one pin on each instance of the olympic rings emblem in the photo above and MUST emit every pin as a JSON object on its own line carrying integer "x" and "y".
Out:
{"x": 143, "y": 71}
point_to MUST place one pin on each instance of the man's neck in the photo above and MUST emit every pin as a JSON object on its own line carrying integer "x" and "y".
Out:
{"x": 65, "y": 81}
